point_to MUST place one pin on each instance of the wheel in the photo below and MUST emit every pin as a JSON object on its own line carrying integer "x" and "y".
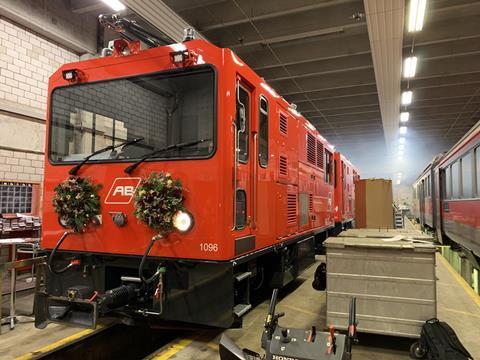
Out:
{"x": 417, "y": 351}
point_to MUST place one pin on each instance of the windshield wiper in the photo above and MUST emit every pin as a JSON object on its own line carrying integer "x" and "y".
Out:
{"x": 132, "y": 167}
{"x": 74, "y": 170}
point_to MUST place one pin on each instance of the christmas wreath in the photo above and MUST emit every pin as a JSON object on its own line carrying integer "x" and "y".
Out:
{"x": 76, "y": 202}
{"x": 158, "y": 199}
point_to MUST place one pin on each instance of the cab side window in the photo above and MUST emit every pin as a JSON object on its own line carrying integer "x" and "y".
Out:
{"x": 263, "y": 132}
{"x": 242, "y": 122}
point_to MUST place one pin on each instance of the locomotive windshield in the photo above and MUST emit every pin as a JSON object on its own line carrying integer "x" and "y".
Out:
{"x": 163, "y": 109}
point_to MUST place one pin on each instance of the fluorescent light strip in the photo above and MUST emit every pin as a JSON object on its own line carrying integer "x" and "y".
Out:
{"x": 115, "y": 5}
{"x": 416, "y": 15}
{"x": 403, "y": 130}
{"x": 401, "y": 140}
{"x": 409, "y": 67}
{"x": 407, "y": 97}
{"x": 404, "y": 116}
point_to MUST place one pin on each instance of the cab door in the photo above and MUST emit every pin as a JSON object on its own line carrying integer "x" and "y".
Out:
{"x": 242, "y": 172}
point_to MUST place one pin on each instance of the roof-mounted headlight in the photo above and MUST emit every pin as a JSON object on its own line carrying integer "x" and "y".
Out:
{"x": 183, "y": 221}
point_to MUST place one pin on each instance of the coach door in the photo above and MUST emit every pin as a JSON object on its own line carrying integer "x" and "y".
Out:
{"x": 243, "y": 216}
{"x": 422, "y": 203}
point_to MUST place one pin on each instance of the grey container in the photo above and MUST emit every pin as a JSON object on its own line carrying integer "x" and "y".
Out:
{"x": 393, "y": 281}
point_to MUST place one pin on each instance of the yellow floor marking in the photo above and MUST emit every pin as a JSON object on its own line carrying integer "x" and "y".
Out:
{"x": 181, "y": 344}
{"x": 59, "y": 343}
{"x": 173, "y": 349}
{"x": 459, "y": 311}
{"x": 213, "y": 346}
{"x": 461, "y": 281}
{"x": 299, "y": 310}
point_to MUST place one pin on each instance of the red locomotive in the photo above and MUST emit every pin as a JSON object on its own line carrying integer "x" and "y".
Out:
{"x": 257, "y": 176}
{"x": 345, "y": 176}
{"x": 447, "y": 194}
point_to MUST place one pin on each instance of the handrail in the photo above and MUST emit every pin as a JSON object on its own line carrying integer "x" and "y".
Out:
{"x": 235, "y": 165}
{"x": 255, "y": 160}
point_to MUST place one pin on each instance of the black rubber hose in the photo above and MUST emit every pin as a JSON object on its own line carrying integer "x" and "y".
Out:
{"x": 142, "y": 263}
{"x": 54, "y": 251}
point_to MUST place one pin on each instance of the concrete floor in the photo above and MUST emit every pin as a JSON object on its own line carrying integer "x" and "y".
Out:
{"x": 303, "y": 307}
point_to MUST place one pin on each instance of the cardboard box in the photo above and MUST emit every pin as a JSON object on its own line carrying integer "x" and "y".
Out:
{"x": 374, "y": 204}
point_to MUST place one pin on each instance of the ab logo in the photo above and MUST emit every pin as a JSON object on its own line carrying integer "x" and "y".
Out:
{"x": 122, "y": 190}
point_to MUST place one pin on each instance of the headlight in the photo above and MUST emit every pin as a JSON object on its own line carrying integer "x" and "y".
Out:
{"x": 183, "y": 221}
{"x": 62, "y": 222}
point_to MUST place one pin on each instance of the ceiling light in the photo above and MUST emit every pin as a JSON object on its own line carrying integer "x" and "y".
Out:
{"x": 401, "y": 147}
{"x": 115, "y": 5}
{"x": 398, "y": 182}
{"x": 400, "y": 158}
{"x": 400, "y": 153}
{"x": 417, "y": 14}
{"x": 404, "y": 116}
{"x": 409, "y": 67}
{"x": 407, "y": 98}
{"x": 401, "y": 140}
{"x": 403, "y": 130}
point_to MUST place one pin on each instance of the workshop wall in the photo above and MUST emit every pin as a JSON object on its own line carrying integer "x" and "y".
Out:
{"x": 26, "y": 62}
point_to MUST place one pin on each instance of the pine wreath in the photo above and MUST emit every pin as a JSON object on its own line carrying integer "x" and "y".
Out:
{"x": 76, "y": 202}
{"x": 157, "y": 199}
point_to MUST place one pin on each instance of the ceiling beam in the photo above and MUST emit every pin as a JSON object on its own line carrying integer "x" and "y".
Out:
{"x": 336, "y": 71}
{"x": 323, "y": 89}
{"x": 347, "y": 113}
{"x": 86, "y": 6}
{"x": 333, "y": 57}
{"x": 297, "y": 36}
{"x": 274, "y": 14}
{"x": 385, "y": 31}
{"x": 161, "y": 16}
{"x": 367, "y": 51}
{"x": 197, "y": 5}
{"x": 336, "y": 97}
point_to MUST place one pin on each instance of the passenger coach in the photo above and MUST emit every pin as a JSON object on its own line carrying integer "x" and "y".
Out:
{"x": 447, "y": 194}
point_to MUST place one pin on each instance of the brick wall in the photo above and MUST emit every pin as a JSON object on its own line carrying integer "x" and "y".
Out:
{"x": 26, "y": 62}
{"x": 19, "y": 165}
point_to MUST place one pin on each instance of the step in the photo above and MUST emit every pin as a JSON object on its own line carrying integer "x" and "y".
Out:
{"x": 241, "y": 309}
{"x": 243, "y": 276}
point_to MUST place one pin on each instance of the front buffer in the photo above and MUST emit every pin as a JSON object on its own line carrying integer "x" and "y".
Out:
{"x": 98, "y": 285}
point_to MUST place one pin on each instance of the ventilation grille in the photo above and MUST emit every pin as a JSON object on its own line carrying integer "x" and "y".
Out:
{"x": 311, "y": 149}
{"x": 283, "y": 124}
{"x": 283, "y": 165}
{"x": 291, "y": 209}
{"x": 310, "y": 203}
{"x": 319, "y": 154}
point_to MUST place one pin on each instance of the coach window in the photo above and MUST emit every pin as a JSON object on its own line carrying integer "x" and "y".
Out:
{"x": 456, "y": 180}
{"x": 263, "y": 133}
{"x": 467, "y": 179}
{"x": 448, "y": 182}
{"x": 242, "y": 122}
{"x": 428, "y": 186}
